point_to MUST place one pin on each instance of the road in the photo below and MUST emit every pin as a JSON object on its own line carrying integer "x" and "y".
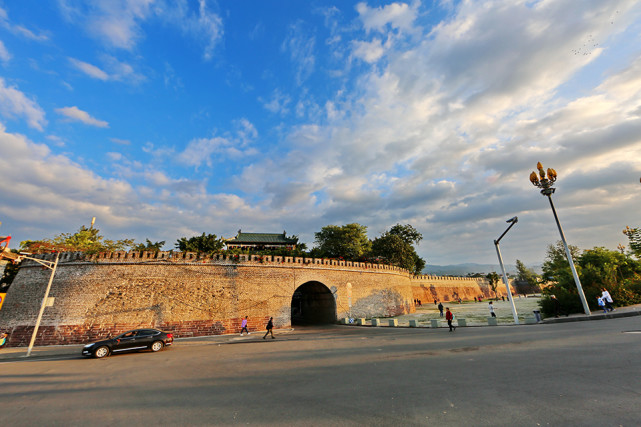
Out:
{"x": 570, "y": 374}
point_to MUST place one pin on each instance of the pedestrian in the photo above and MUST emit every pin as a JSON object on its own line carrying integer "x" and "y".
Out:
{"x": 440, "y": 308}
{"x": 243, "y": 326}
{"x": 474, "y": 299}
{"x": 601, "y": 302}
{"x": 492, "y": 309}
{"x": 269, "y": 327}
{"x": 557, "y": 306}
{"x": 503, "y": 297}
{"x": 434, "y": 301}
{"x": 449, "y": 317}
{"x": 607, "y": 299}
{"x": 3, "y": 339}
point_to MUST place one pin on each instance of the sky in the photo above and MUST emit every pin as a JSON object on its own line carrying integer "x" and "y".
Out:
{"x": 169, "y": 118}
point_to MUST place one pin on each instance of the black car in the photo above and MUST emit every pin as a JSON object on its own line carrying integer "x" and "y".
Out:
{"x": 138, "y": 339}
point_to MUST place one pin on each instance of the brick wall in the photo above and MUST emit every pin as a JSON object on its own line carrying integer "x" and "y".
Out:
{"x": 190, "y": 296}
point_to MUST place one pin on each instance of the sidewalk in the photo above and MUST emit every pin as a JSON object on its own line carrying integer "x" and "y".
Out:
{"x": 631, "y": 310}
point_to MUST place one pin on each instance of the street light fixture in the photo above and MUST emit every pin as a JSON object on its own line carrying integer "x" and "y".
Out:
{"x": 512, "y": 221}
{"x": 545, "y": 184}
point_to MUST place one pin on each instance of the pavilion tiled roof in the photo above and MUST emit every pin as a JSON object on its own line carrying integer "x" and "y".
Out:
{"x": 261, "y": 238}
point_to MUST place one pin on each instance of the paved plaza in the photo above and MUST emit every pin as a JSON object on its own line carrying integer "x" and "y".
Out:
{"x": 566, "y": 374}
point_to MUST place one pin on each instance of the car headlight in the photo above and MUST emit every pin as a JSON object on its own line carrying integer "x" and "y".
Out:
{"x": 89, "y": 345}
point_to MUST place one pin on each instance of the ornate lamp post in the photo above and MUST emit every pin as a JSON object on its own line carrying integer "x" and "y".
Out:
{"x": 545, "y": 184}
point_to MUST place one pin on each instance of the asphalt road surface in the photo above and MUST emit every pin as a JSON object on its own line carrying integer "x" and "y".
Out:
{"x": 571, "y": 374}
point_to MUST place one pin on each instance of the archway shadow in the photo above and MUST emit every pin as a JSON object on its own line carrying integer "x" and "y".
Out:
{"x": 313, "y": 304}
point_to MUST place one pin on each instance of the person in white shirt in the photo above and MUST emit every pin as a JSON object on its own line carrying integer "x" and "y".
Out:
{"x": 492, "y": 310}
{"x": 607, "y": 299}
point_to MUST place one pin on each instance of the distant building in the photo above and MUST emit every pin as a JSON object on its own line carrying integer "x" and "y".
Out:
{"x": 260, "y": 241}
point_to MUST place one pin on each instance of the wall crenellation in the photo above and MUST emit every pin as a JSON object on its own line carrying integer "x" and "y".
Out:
{"x": 193, "y": 257}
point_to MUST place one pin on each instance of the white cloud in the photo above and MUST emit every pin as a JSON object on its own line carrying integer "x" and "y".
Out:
{"x": 368, "y": 51}
{"x": 89, "y": 69}
{"x": 397, "y": 15}
{"x": 116, "y": 70}
{"x": 19, "y": 30}
{"x": 278, "y": 104}
{"x": 120, "y": 24}
{"x": 120, "y": 141}
{"x": 76, "y": 114}
{"x": 5, "y": 56}
{"x": 14, "y": 103}
{"x": 300, "y": 46}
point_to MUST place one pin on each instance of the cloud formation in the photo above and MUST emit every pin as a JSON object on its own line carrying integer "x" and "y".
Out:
{"x": 15, "y": 104}
{"x": 76, "y": 114}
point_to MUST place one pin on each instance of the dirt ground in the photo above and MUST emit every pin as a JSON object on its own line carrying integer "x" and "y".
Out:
{"x": 474, "y": 313}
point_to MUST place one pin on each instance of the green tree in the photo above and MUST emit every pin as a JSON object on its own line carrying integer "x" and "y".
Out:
{"x": 348, "y": 241}
{"x": 634, "y": 238}
{"x": 406, "y": 232}
{"x": 395, "y": 247}
{"x": 149, "y": 246}
{"x": 205, "y": 243}
{"x": 493, "y": 280}
{"x": 556, "y": 267}
{"x": 527, "y": 280}
{"x": 87, "y": 240}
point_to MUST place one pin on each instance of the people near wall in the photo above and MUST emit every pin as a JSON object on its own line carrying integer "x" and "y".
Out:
{"x": 269, "y": 327}
{"x": 503, "y": 297}
{"x": 435, "y": 301}
{"x": 440, "y": 308}
{"x": 474, "y": 299}
{"x": 449, "y": 317}
{"x": 420, "y": 304}
{"x": 243, "y": 326}
{"x": 491, "y": 307}
{"x": 607, "y": 299}
{"x": 3, "y": 339}
{"x": 460, "y": 301}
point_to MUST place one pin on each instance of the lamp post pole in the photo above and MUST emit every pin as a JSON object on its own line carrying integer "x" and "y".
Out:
{"x": 545, "y": 184}
{"x": 52, "y": 266}
{"x": 505, "y": 279}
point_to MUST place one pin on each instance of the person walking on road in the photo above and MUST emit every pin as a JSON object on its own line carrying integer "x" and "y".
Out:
{"x": 243, "y": 326}
{"x": 491, "y": 309}
{"x": 440, "y": 308}
{"x": 607, "y": 299}
{"x": 270, "y": 326}
{"x": 449, "y": 317}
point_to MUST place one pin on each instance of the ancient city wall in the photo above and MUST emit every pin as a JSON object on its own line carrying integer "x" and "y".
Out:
{"x": 193, "y": 296}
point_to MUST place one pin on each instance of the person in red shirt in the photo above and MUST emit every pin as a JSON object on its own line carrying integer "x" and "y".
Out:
{"x": 449, "y": 317}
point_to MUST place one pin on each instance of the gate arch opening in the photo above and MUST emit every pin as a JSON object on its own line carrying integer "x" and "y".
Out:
{"x": 313, "y": 303}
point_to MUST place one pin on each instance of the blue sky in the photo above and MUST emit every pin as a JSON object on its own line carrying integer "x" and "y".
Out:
{"x": 166, "y": 119}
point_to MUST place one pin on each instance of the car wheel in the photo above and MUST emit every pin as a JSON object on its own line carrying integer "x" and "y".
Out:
{"x": 157, "y": 346}
{"x": 101, "y": 352}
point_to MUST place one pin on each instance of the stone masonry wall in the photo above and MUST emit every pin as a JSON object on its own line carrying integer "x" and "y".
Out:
{"x": 190, "y": 296}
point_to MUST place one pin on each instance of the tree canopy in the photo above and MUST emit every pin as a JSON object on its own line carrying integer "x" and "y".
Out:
{"x": 85, "y": 240}
{"x": 395, "y": 246}
{"x": 347, "y": 241}
{"x": 205, "y": 243}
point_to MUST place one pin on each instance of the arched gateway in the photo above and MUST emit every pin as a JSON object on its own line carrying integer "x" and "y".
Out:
{"x": 313, "y": 303}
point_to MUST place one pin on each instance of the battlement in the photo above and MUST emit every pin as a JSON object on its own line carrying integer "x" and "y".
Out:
{"x": 136, "y": 257}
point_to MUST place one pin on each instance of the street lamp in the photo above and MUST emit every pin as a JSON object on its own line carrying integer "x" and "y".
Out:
{"x": 545, "y": 184}
{"x": 48, "y": 264}
{"x": 512, "y": 221}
